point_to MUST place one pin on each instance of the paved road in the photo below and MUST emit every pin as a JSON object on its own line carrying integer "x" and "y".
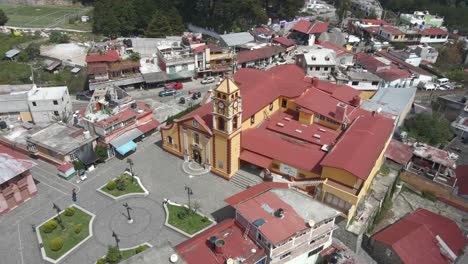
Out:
{"x": 161, "y": 174}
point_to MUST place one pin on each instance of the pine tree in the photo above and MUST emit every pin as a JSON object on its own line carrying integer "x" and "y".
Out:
{"x": 159, "y": 26}
{"x": 3, "y": 18}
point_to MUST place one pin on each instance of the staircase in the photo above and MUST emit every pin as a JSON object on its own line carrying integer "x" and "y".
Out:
{"x": 244, "y": 179}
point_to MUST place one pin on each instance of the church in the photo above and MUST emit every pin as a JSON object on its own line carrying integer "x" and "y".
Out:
{"x": 281, "y": 121}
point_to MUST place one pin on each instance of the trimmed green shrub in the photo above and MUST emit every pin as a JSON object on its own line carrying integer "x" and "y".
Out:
{"x": 113, "y": 255}
{"x": 204, "y": 219}
{"x": 140, "y": 249}
{"x": 70, "y": 211}
{"x": 182, "y": 215}
{"x": 111, "y": 185}
{"x": 56, "y": 244}
{"x": 121, "y": 183}
{"x": 429, "y": 195}
{"x": 49, "y": 226}
{"x": 78, "y": 228}
{"x": 101, "y": 261}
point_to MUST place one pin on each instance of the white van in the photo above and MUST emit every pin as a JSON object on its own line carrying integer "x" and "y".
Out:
{"x": 442, "y": 81}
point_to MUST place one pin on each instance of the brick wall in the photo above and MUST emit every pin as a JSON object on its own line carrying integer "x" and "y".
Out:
{"x": 421, "y": 184}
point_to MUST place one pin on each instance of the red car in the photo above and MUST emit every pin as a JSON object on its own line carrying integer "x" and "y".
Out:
{"x": 174, "y": 85}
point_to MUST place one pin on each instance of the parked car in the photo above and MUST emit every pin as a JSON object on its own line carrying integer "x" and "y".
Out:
{"x": 84, "y": 95}
{"x": 167, "y": 92}
{"x": 208, "y": 80}
{"x": 193, "y": 91}
{"x": 174, "y": 85}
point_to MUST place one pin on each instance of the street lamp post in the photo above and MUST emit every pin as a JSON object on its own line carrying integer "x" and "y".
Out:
{"x": 189, "y": 193}
{"x": 130, "y": 163}
{"x": 129, "y": 217}
{"x": 59, "y": 220}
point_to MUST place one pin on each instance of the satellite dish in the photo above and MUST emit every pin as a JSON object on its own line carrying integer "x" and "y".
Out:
{"x": 311, "y": 223}
{"x": 229, "y": 261}
{"x": 174, "y": 258}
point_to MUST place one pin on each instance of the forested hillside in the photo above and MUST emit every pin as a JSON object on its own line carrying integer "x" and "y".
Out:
{"x": 454, "y": 11}
{"x": 164, "y": 17}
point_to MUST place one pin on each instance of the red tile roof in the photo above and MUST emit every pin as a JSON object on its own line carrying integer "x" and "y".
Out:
{"x": 264, "y": 31}
{"x": 254, "y": 191}
{"x": 316, "y": 134}
{"x": 308, "y": 27}
{"x": 301, "y": 155}
{"x": 203, "y": 115}
{"x": 388, "y": 72}
{"x": 360, "y": 145}
{"x": 339, "y": 51}
{"x": 392, "y": 30}
{"x": 462, "y": 179}
{"x": 372, "y": 30}
{"x": 65, "y": 167}
{"x": 255, "y": 159}
{"x": 275, "y": 229}
{"x": 404, "y": 64}
{"x": 12, "y": 163}
{"x": 344, "y": 93}
{"x": 199, "y": 49}
{"x": 399, "y": 152}
{"x": 110, "y": 56}
{"x": 377, "y": 22}
{"x": 117, "y": 118}
{"x": 284, "y": 41}
{"x": 198, "y": 250}
{"x": 214, "y": 48}
{"x": 433, "y": 31}
{"x": 148, "y": 126}
{"x": 259, "y": 54}
{"x": 413, "y": 238}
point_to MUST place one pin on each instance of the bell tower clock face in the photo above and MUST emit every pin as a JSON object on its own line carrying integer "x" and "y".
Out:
{"x": 235, "y": 104}
{"x": 221, "y": 105}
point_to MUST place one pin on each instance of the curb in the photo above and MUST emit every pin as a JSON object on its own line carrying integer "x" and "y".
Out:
{"x": 144, "y": 193}
{"x": 90, "y": 227}
{"x": 193, "y": 172}
{"x": 146, "y": 244}
{"x": 166, "y": 222}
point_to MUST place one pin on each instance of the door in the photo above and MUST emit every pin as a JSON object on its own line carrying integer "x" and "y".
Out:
{"x": 196, "y": 156}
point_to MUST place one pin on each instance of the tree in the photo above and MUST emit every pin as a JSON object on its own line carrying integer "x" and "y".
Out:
{"x": 78, "y": 165}
{"x": 430, "y": 128}
{"x": 344, "y": 7}
{"x": 59, "y": 37}
{"x": 3, "y": 18}
{"x": 113, "y": 255}
{"x": 101, "y": 153}
{"x": 159, "y": 26}
{"x": 135, "y": 56}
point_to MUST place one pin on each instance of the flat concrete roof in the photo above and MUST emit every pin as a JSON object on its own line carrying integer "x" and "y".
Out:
{"x": 47, "y": 93}
{"x": 60, "y": 138}
{"x": 305, "y": 206}
{"x": 237, "y": 39}
{"x": 390, "y": 100}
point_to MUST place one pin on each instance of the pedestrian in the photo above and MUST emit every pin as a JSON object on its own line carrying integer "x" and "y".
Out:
{"x": 74, "y": 195}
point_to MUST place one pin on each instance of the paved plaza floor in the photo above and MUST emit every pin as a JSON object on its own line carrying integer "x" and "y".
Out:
{"x": 160, "y": 173}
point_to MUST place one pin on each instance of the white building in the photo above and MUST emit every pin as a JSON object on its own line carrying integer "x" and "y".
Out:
{"x": 422, "y": 19}
{"x": 408, "y": 56}
{"x": 434, "y": 35}
{"x": 319, "y": 62}
{"x": 49, "y": 104}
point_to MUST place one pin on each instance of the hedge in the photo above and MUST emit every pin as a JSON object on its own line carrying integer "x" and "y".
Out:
{"x": 56, "y": 244}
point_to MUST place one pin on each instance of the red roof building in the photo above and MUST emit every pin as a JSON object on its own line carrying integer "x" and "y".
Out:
{"x": 308, "y": 27}
{"x": 399, "y": 152}
{"x": 462, "y": 179}
{"x": 420, "y": 237}
{"x": 434, "y": 32}
{"x": 264, "y": 53}
{"x": 339, "y": 51}
{"x": 110, "y": 56}
{"x": 385, "y": 69}
{"x": 376, "y": 22}
{"x": 285, "y": 42}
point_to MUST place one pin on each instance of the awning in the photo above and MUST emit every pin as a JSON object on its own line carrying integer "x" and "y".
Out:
{"x": 255, "y": 159}
{"x": 124, "y": 149}
{"x": 125, "y": 137}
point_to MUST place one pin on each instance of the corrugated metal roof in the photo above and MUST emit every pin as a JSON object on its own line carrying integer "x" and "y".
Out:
{"x": 12, "y": 164}
{"x": 236, "y": 39}
{"x": 391, "y": 100}
{"x": 126, "y": 137}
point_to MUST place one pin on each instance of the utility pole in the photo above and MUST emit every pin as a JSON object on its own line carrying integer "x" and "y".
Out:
{"x": 129, "y": 217}
{"x": 189, "y": 193}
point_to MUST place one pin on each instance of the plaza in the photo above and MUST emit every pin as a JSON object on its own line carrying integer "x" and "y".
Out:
{"x": 160, "y": 173}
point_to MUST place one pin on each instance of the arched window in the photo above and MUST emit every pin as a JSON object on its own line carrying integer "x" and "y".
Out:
{"x": 196, "y": 138}
{"x": 169, "y": 139}
{"x": 221, "y": 123}
{"x": 234, "y": 122}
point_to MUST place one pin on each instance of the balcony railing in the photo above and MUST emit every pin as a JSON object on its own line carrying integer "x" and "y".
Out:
{"x": 341, "y": 191}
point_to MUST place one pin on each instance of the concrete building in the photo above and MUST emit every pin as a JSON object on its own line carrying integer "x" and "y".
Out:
{"x": 460, "y": 125}
{"x": 281, "y": 224}
{"x": 176, "y": 60}
{"x": 49, "y": 104}
{"x": 422, "y": 19}
{"x": 116, "y": 119}
{"x": 261, "y": 57}
{"x": 210, "y": 59}
{"x": 407, "y": 55}
{"x": 399, "y": 34}
{"x": 60, "y": 144}
{"x": 110, "y": 66}
{"x": 320, "y": 63}
{"x": 426, "y": 52}
{"x": 368, "y": 7}
{"x": 420, "y": 237}
{"x": 359, "y": 79}
{"x": 344, "y": 57}
{"x": 16, "y": 182}
{"x": 305, "y": 32}
{"x": 434, "y": 35}
{"x": 233, "y": 40}
{"x": 259, "y": 118}
{"x": 14, "y": 103}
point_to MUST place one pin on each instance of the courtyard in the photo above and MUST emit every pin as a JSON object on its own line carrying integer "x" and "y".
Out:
{"x": 160, "y": 173}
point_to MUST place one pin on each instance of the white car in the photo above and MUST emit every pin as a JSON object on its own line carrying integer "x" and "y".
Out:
{"x": 208, "y": 80}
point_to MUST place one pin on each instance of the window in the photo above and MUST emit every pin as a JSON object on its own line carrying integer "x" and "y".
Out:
{"x": 375, "y": 83}
{"x": 56, "y": 113}
{"x": 252, "y": 120}
{"x": 315, "y": 251}
{"x": 169, "y": 139}
{"x": 221, "y": 123}
{"x": 317, "y": 68}
{"x": 325, "y": 69}
{"x": 184, "y": 67}
{"x": 284, "y": 103}
{"x": 34, "y": 103}
{"x": 55, "y": 102}
{"x": 196, "y": 138}
{"x": 271, "y": 106}
{"x": 234, "y": 122}
{"x": 172, "y": 69}
{"x": 355, "y": 83}
{"x": 285, "y": 255}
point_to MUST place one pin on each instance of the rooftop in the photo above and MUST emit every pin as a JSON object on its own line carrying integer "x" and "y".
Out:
{"x": 399, "y": 152}
{"x": 159, "y": 254}
{"x": 110, "y": 56}
{"x": 435, "y": 155}
{"x": 394, "y": 101}
{"x": 414, "y": 238}
{"x": 434, "y": 31}
{"x": 199, "y": 249}
{"x": 382, "y": 67}
{"x": 462, "y": 179}
{"x": 339, "y": 50}
{"x": 237, "y": 39}
{"x": 284, "y": 41}
{"x": 260, "y": 206}
{"x": 12, "y": 164}
{"x": 47, "y": 93}
{"x": 320, "y": 57}
{"x": 258, "y": 54}
{"x": 308, "y": 27}
{"x": 61, "y": 138}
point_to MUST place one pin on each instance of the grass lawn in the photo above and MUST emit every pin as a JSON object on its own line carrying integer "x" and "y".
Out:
{"x": 8, "y": 41}
{"x": 190, "y": 224}
{"x": 69, "y": 236}
{"x": 42, "y": 16}
{"x": 131, "y": 187}
{"x": 14, "y": 73}
{"x": 126, "y": 254}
